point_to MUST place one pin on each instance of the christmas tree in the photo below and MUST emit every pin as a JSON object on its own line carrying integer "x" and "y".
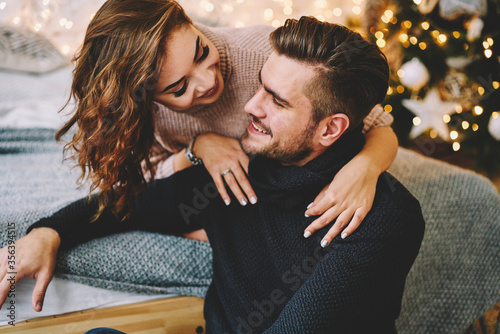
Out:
{"x": 445, "y": 73}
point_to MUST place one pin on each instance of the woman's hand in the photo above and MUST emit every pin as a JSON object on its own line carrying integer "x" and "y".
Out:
{"x": 350, "y": 196}
{"x": 33, "y": 255}
{"x": 225, "y": 161}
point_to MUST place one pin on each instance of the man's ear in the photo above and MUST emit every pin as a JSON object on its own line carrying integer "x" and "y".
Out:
{"x": 332, "y": 127}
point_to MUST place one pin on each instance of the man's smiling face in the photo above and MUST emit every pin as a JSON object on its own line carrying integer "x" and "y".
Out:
{"x": 282, "y": 126}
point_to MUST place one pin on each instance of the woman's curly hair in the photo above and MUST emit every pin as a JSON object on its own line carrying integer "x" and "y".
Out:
{"x": 113, "y": 86}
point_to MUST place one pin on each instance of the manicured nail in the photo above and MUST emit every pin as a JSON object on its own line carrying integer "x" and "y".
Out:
{"x": 344, "y": 235}
{"x": 310, "y": 204}
{"x": 306, "y": 215}
{"x": 307, "y": 234}
{"x": 227, "y": 201}
{"x": 253, "y": 199}
{"x": 243, "y": 202}
{"x": 324, "y": 243}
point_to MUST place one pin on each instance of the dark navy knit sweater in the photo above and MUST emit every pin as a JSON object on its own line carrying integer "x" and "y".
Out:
{"x": 267, "y": 277}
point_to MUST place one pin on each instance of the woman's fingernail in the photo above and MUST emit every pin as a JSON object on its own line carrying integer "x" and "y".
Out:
{"x": 344, "y": 235}
{"x": 39, "y": 305}
{"x": 307, "y": 234}
{"x": 227, "y": 201}
{"x": 310, "y": 204}
{"x": 306, "y": 215}
{"x": 243, "y": 202}
{"x": 253, "y": 199}
{"x": 324, "y": 243}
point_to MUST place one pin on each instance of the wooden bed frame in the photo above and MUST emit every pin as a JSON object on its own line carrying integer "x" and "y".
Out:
{"x": 174, "y": 315}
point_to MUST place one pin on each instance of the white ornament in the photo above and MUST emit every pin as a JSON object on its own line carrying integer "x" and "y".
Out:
{"x": 474, "y": 28}
{"x": 413, "y": 74}
{"x": 430, "y": 111}
{"x": 458, "y": 63}
{"x": 453, "y": 9}
{"x": 494, "y": 125}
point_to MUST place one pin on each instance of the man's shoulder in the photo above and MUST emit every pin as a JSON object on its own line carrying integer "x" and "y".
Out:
{"x": 394, "y": 193}
{"x": 395, "y": 208}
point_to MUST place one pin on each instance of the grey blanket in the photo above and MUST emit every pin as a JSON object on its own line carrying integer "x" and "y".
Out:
{"x": 455, "y": 278}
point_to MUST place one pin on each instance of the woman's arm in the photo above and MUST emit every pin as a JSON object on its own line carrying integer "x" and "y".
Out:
{"x": 74, "y": 225}
{"x": 162, "y": 162}
{"x": 350, "y": 195}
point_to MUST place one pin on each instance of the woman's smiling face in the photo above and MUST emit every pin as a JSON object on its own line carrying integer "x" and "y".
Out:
{"x": 190, "y": 73}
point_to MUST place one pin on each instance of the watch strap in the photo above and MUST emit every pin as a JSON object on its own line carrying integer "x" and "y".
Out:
{"x": 193, "y": 159}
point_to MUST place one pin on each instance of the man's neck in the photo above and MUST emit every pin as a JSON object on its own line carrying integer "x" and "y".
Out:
{"x": 316, "y": 152}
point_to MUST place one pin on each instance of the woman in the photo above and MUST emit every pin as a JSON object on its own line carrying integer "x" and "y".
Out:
{"x": 148, "y": 83}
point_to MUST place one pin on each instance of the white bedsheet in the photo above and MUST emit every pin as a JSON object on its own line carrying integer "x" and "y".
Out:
{"x": 64, "y": 296}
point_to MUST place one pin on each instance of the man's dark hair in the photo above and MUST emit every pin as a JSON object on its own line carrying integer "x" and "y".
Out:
{"x": 352, "y": 74}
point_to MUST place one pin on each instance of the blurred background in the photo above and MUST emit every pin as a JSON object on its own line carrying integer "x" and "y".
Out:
{"x": 444, "y": 56}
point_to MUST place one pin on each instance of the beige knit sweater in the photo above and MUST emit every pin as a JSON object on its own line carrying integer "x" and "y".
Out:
{"x": 243, "y": 52}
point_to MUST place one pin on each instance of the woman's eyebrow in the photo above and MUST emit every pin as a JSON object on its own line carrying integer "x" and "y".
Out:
{"x": 180, "y": 80}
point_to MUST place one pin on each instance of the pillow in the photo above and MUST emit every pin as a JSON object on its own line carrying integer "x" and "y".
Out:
{"x": 24, "y": 50}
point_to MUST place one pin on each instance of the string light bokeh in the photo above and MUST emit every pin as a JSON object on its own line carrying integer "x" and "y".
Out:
{"x": 63, "y": 22}
{"x": 412, "y": 33}
{"x": 274, "y": 12}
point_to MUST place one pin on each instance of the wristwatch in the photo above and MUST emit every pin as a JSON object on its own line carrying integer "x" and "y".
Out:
{"x": 193, "y": 159}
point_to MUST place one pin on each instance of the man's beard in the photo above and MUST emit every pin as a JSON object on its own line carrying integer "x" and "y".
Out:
{"x": 286, "y": 152}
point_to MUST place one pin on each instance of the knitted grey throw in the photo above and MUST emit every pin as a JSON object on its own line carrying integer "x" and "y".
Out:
{"x": 455, "y": 278}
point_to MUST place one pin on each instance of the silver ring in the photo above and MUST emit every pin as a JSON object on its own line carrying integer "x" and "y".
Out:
{"x": 226, "y": 171}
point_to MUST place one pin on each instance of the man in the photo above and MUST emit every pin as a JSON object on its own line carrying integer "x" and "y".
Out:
{"x": 267, "y": 277}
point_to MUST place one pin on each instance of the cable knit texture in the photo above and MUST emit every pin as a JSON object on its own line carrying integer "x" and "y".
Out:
{"x": 243, "y": 52}
{"x": 267, "y": 277}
